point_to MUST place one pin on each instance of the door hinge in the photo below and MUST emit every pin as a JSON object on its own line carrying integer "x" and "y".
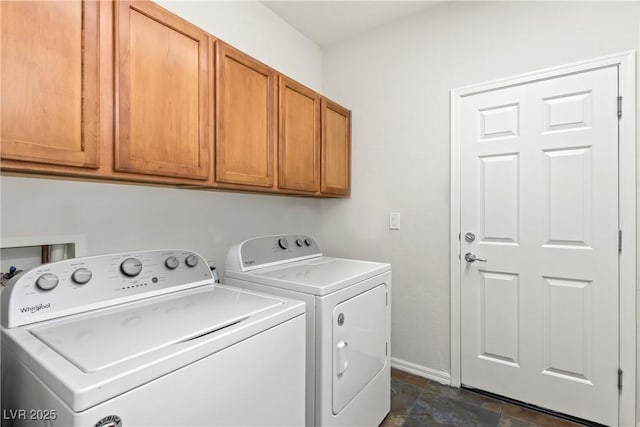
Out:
{"x": 619, "y": 241}
{"x": 619, "y": 379}
{"x": 619, "y": 106}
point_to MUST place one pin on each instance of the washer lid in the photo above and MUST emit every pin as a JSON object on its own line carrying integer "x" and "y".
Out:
{"x": 100, "y": 340}
{"x": 318, "y": 276}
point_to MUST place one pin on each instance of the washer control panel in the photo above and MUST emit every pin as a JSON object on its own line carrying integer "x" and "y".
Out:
{"x": 271, "y": 250}
{"x": 80, "y": 284}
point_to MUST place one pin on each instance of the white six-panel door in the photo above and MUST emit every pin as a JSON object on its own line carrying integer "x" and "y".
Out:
{"x": 539, "y": 192}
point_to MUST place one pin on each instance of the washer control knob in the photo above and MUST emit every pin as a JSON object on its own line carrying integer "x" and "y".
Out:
{"x": 307, "y": 241}
{"x": 47, "y": 281}
{"x": 131, "y": 267}
{"x": 81, "y": 276}
{"x": 191, "y": 260}
{"x": 283, "y": 243}
{"x": 299, "y": 242}
{"x": 171, "y": 263}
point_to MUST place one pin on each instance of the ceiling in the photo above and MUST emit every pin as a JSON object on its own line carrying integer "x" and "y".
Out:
{"x": 332, "y": 21}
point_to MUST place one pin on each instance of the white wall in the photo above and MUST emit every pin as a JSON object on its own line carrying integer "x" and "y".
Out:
{"x": 120, "y": 217}
{"x": 396, "y": 79}
{"x": 114, "y": 217}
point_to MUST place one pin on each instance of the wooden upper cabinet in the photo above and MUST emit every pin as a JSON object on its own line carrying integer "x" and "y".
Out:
{"x": 127, "y": 90}
{"x": 336, "y": 149}
{"x": 245, "y": 119}
{"x": 161, "y": 121}
{"x": 299, "y": 137}
{"x": 49, "y": 82}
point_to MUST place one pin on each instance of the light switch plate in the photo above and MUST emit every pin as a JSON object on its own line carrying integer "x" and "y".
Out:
{"x": 394, "y": 220}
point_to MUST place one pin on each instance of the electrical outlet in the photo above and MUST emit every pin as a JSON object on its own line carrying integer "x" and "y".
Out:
{"x": 394, "y": 221}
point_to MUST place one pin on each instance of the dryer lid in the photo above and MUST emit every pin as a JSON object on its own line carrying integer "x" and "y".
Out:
{"x": 100, "y": 340}
{"x": 319, "y": 276}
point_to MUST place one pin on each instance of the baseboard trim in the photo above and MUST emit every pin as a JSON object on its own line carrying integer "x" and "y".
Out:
{"x": 413, "y": 368}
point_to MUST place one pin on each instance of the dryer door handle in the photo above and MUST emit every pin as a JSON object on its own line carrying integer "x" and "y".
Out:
{"x": 342, "y": 357}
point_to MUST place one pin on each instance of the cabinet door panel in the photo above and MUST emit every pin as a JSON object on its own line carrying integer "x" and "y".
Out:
{"x": 49, "y": 82}
{"x": 336, "y": 149}
{"x": 299, "y": 141}
{"x": 162, "y": 84}
{"x": 245, "y": 125}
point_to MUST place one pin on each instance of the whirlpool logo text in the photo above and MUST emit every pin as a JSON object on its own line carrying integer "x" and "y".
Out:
{"x": 35, "y": 308}
{"x": 109, "y": 421}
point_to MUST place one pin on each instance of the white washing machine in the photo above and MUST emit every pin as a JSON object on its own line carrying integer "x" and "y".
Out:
{"x": 148, "y": 339}
{"x": 348, "y": 322}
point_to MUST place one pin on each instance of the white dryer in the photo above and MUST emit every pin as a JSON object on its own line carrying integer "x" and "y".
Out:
{"x": 148, "y": 339}
{"x": 348, "y": 322}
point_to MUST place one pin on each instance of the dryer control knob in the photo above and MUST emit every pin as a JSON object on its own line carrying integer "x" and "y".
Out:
{"x": 191, "y": 260}
{"x": 81, "y": 276}
{"x": 47, "y": 281}
{"x": 131, "y": 267}
{"x": 299, "y": 242}
{"x": 283, "y": 243}
{"x": 171, "y": 263}
{"x": 307, "y": 241}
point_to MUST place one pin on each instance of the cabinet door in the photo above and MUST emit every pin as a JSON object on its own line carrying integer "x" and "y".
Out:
{"x": 299, "y": 137}
{"x": 245, "y": 119}
{"x": 49, "y": 82}
{"x": 161, "y": 88}
{"x": 336, "y": 149}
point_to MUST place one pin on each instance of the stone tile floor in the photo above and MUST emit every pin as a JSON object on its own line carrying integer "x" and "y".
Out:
{"x": 417, "y": 401}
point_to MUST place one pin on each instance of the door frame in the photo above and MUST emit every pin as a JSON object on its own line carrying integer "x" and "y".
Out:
{"x": 627, "y": 214}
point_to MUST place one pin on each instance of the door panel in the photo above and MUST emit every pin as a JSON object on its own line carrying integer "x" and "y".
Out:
{"x": 498, "y": 122}
{"x": 50, "y": 80}
{"x": 564, "y": 112}
{"x": 567, "y": 328}
{"x": 359, "y": 344}
{"x": 499, "y": 198}
{"x": 567, "y": 196}
{"x": 299, "y": 141}
{"x": 499, "y": 314}
{"x": 335, "y": 176}
{"x": 245, "y": 119}
{"x": 162, "y": 86}
{"x": 539, "y": 188}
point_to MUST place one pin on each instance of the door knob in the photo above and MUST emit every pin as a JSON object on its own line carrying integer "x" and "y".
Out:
{"x": 471, "y": 257}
